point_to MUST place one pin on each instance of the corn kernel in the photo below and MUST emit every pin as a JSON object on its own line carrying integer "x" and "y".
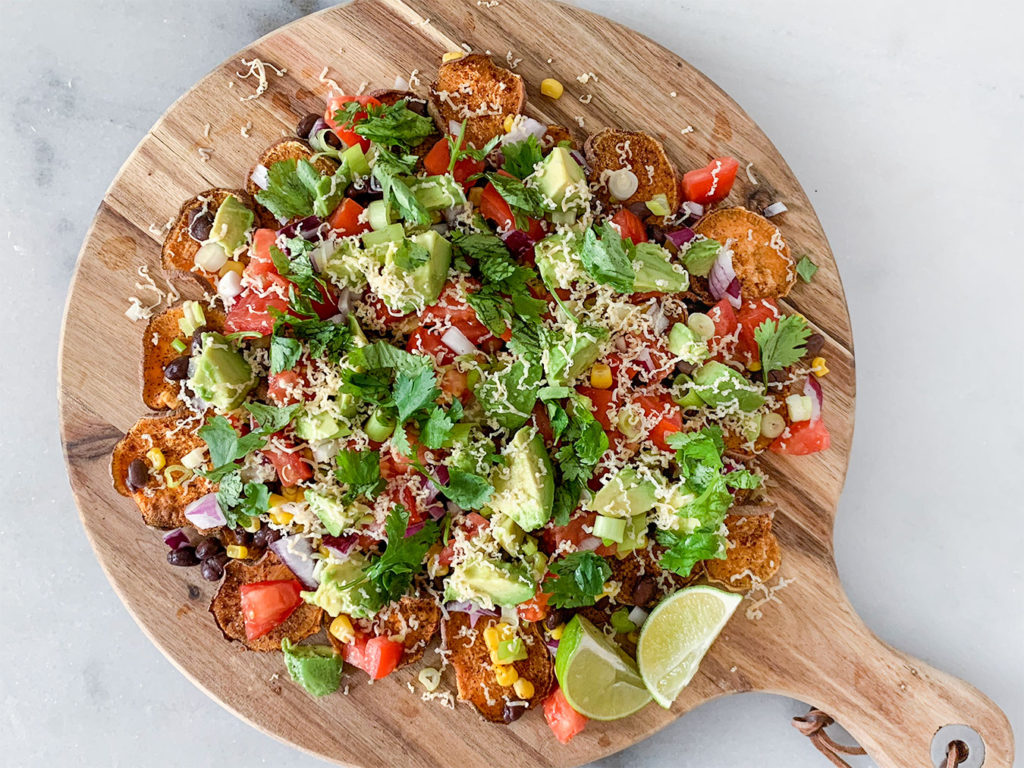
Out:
{"x": 452, "y": 56}
{"x": 276, "y": 500}
{"x": 475, "y": 195}
{"x": 281, "y": 518}
{"x": 293, "y": 493}
{"x": 611, "y": 589}
{"x": 253, "y": 526}
{"x": 818, "y": 367}
{"x": 324, "y": 551}
{"x": 754, "y": 366}
{"x": 231, "y": 266}
{"x": 510, "y": 121}
{"x": 523, "y": 688}
{"x": 341, "y": 628}
{"x": 556, "y": 633}
{"x": 491, "y": 638}
{"x": 551, "y": 88}
{"x": 601, "y": 376}
{"x": 237, "y": 552}
{"x": 156, "y": 458}
{"x": 505, "y": 674}
{"x": 495, "y": 659}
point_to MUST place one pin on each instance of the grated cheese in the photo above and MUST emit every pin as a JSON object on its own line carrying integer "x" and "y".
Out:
{"x": 258, "y": 69}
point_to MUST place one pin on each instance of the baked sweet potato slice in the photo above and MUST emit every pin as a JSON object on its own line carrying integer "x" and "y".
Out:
{"x": 760, "y": 256}
{"x": 611, "y": 150}
{"x": 179, "y": 249}
{"x": 285, "y": 149}
{"x": 416, "y": 104}
{"x": 474, "y": 675}
{"x": 226, "y": 606}
{"x": 478, "y": 91}
{"x": 158, "y": 393}
{"x": 412, "y": 621}
{"x": 172, "y": 433}
{"x": 556, "y": 134}
{"x": 753, "y": 554}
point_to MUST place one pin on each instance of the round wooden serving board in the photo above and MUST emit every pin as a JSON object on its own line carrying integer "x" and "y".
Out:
{"x": 808, "y": 645}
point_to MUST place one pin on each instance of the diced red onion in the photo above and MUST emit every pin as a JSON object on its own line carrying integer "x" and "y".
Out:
{"x": 580, "y": 159}
{"x": 638, "y": 209}
{"x": 519, "y": 243}
{"x": 261, "y": 176}
{"x": 523, "y": 128}
{"x": 474, "y": 610}
{"x": 455, "y": 128}
{"x": 176, "y": 539}
{"x": 457, "y": 342}
{"x": 401, "y": 84}
{"x": 659, "y": 323}
{"x": 415, "y": 528}
{"x": 644, "y": 358}
{"x": 205, "y": 512}
{"x": 589, "y": 544}
{"x": 552, "y": 645}
{"x": 453, "y": 508}
{"x": 305, "y": 228}
{"x": 345, "y": 302}
{"x": 319, "y": 125}
{"x": 733, "y": 293}
{"x": 436, "y": 510}
{"x": 297, "y": 553}
{"x": 680, "y": 237}
{"x": 693, "y": 209}
{"x": 813, "y": 390}
{"x": 722, "y": 274}
{"x": 339, "y": 546}
{"x": 441, "y": 474}
{"x": 638, "y": 615}
{"x": 774, "y": 209}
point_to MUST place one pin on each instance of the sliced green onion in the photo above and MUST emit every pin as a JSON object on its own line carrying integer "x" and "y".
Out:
{"x": 621, "y": 623}
{"x": 611, "y": 528}
{"x": 658, "y": 205}
{"x": 380, "y": 426}
{"x": 178, "y": 346}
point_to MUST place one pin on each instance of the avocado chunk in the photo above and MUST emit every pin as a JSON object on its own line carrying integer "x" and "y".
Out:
{"x": 392, "y": 233}
{"x": 655, "y": 271}
{"x": 221, "y": 376}
{"x": 525, "y": 489}
{"x": 557, "y": 261}
{"x": 339, "y": 591}
{"x": 335, "y": 516}
{"x": 318, "y": 426}
{"x": 231, "y": 224}
{"x": 557, "y": 174}
{"x": 573, "y": 355}
{"x": 625, "y": 495}
{"x": 414, "y": 271}
{"x": 435, "y": 193}
{"x": 507, "y": 533}
{"x": 346, "y": 265}
{"x": 717, "y": 384}
{"x": 700, "y": 256}
{"x": 501, "y": 583}
{"x": 682, "y": 343}
{"x": 317, "y": 668}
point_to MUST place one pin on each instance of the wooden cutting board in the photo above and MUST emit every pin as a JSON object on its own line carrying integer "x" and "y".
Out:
{"x": 807, "y": 643}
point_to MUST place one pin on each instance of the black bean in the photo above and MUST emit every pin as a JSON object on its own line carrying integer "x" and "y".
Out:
{"x": 512, "y": 713}
{"x": 259, "y": 538}
{"x": 243, "y": 537}
{"x": 138, "y": 475}
{"x": 222, "y": 559}
{"x": 814, "y": 344}
{"x": 556, "y": 617}
{"x": 270, "y": 537}
{"x": 644, "y": 591}
{"x": 778, "y": 376}
{"x": 332, "y": 140}
{"x": 684, "y": 367}
{"x": 183, "y": 556}
{"x": 212, "y": 569}
{"x": 199, "y": 225}
{"x": 208, "y": 548}
{"x": 419, "y": 106}
{"x": 177, "y": 369}
{"x": 197, "y": 340}
{"x": 305, "y": 126}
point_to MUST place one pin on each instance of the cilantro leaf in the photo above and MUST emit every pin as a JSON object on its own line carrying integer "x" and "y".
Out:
{"x": 410, "y": 255}
{"x": 382, "y": 355}
{"x": 295, "y": 189}
{"x": 393, "y": 125}
{"x": 685, "y": 551}
{"x": 459, "y": 150}
{"x": 606, "y": 260}
{"x": 272, "y": 418}
{"x": 226, "y": 446}
{"x": 241, "y": 502}
{"x": 522, "y": 156}
{"x": 388, "y": 169}
{"x": 584, "y": 442}
{"x": 325, "y": 339}
{"x": 806, "y": 269}
{"x": 360, "y": 471}
{"x": 579, "y": 579}
{"x": 413, "y": 391}
{"x": 742, "y": 478}
{"x": 390, "y": 575}
{"x": 299, "y": 269}
{"x": 229, "y": 493}
{"x": 523, "y": 200}
{"x": 284, "y": 353}
{"x": 438, "y": 426}
{"x": 467, "y": 489}
{"x": 781, "y": 342}
{"x": 567, "y": 498}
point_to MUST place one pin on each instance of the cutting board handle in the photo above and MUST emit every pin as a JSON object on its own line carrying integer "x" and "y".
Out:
{"x": 892, "y": 704}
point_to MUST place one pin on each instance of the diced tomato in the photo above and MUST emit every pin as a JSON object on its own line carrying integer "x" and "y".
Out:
{"x": 292, "y": 467}
{"x": 750, "y": 316}
{"x": 539, "y": 419}
{"x": 455, "y": 383}
{"x": 260, "y": 262}
{"x": 281, "y": 387}
{"x": 345, "y": 132}
{"x": 603, "y": 400}
{"x": 712, "y": 183}
{"x": 630, "y": 226}
{"x": 382, "y": 312}
{"x": 555, "y": 536}
{"x": 564, "y": 721}
{"x": 401, "y": 463}
{"x": 267, "y": 604}
{"x": 251, "y": 312}
{"x": 671, "y": 418}
{"x": 724, "y": 318}
{"x": 535, "y": 609}
{"x": 425, "y": 341}
{"x": 404, "y": 492}
{"x": 802, "y": 438}
{"x": 439, "y": 157}
{"x": 345, "y": 219}
{"x": 494, "y": 208}
{"x": 472, "y": 524}
{"x": 376, "y": 656}
{"x": 452, "y": 309}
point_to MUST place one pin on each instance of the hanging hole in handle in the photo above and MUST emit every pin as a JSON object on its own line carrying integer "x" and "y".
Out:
{"x": 962, "y": 738}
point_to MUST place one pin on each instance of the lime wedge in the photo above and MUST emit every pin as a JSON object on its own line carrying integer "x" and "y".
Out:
{"x": 676, "y": 636}
{"x": 597, "y": 677}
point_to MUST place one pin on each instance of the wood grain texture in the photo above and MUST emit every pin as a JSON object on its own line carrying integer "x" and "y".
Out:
{"x": 810, "y": 646}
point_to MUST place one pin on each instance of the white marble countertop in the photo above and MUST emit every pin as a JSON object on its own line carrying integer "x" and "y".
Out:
{"x": 902, "y": 120}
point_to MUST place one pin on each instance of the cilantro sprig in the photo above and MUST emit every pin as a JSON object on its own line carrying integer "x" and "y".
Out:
{"x": 388, "y": 125}
{"x": 781, "y": 342}
{"x": 389, "y": 575}
{"x": 578, "y": 580}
